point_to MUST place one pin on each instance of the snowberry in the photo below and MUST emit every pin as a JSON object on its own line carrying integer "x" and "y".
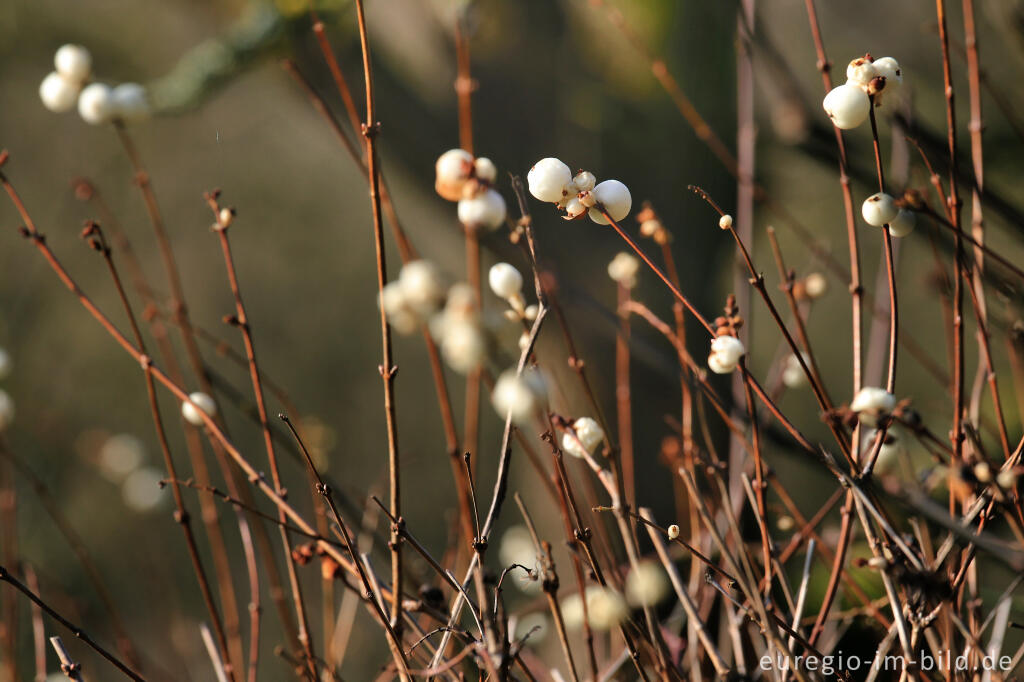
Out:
{"x": 574, "y": 208}
{"x": 1007, "y": 479}
{"x": 673, "y": 532}
{"x": 861, "y": 71}
{"x": 96, "y": 104}
{"x": 890, "y": 69}
{"x": 725, "y": 222}
{"x": 793, "y": 375}
{"x": 463, "y": 346}
{"x": 726, "y": 352}
{"x": 120, "y": 455}
{"x": 73, "y": 62}
{"x": 531, "y": 312}
{"x": 548, "y": 178}
{"x": 517, "y": 395}
{"x": 847, "y": 105}
{"x": 646, "y": 585}
{"x": 903, "y": 223}
{"x": 584, "y": 181}
{"x": 615, "y": 198}
{"x": 201, "y": 403}
{"x": 453, "y": 169}
{"x": 400, "y": 314}
{"x": 879, "y": 209}
{"x": 5, "y": 364}
{"x": 606, "y": 607}
{"x": 421, "y": 285}
{"x": 505, "y": 280}
{"x": 871, "y": 403}
{"x": 141, "y": 491}
{"x": 516, "y": 547}
{"x": 58, "y": 93}
{"x": 588, "y": 435}
{"x": 6, "y": 410}
{"x": 486, "y": 209}
{"x": 130, "y": 102}
{"x": 485, "y": 170}
{"x": 815, "y": 285}
{"x": 623, "y": 269}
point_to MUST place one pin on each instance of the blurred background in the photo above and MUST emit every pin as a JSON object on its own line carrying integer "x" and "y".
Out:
{"x": 555, "y": 78}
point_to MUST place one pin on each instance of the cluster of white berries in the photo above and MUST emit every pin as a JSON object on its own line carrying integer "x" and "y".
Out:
{"x": 872, "y": 404}
{"x": 461, "y": 177}
{"x": 97, "y": 102}
{"x": 6, "y": 402}
{"x": 551, "y": 181}
{"x": 507, "y": 282}
{"x": 585, "y": 436}
{"x": 848, "y": 105}
{"x": 623, "y": 269}
{"x": 726, "y": 352}
{"x": 202, "y": 404}
{"x": 880, "y": 209}
{"x": 517, "y": 394}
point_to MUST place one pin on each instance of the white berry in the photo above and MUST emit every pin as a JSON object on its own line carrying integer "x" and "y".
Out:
{"x": 548, "y": 178}
{"x": 485, "y": 170}
{"x": 615, "y": 198}
{"x": 463, "y": 346}
{"x": 588, "y": 435}
{"x": 725, "y": 222}
{"x": 871, "y": 403}
{"x": 847, "y": 105}
{"x": 574, "y": 208}
{"x": 584, "y": 181}
{"x": 890, "y": 68}
{"x": 73, "y": 62}
{"x": 726, "y": 352}
{"x": 903, "y": 223}
{"x": 517, "y": 395}
{"x": 130, "y": 102}
{"x": 646, "y": 585}
{"x": 624, "y": 268}
{"x": 793, "y": 375}
{"x": 487, "y": 209}
{"x": 193, "y": 413}
{"x": 879, "y": 209}
{"x": 58, "y": 93}
{"x": 453, "y": 169}
{"x": 815, "y": 285}
{"x": 673, "y": 532}
{"x": 422, "y": 286}
{"x": 860, "y": 71}
{"x": 96, "y": 104}
{"x": 505, "y": 280}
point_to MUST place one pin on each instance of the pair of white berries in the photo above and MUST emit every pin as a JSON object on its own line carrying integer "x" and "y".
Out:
{"x": 726, "y": 352}
{"x": 97, "y": 103}
{"x": 414, "y": 296}
{"x": 848, "y": 105}
{"x": 550, "y": 180}
{"x": 880, "y": 209}
{"x": 461, "y": 177}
